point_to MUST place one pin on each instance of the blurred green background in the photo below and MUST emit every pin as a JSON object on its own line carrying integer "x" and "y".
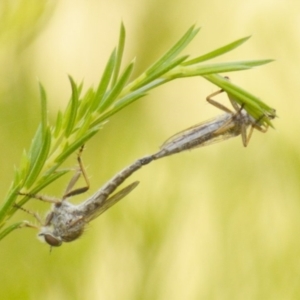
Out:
{"x": 220, "y": 222}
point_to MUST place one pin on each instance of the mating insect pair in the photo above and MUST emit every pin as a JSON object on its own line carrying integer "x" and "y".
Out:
{"x": 66, "y": 221}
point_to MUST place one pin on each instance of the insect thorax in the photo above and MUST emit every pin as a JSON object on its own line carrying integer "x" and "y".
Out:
{"x": 241, "y": 119}
{"x": 64, "y": 223}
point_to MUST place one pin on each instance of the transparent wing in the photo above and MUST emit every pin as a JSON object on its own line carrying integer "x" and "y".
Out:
{"x": 201, "y": 134}
{"x": 112, "y": 200}
{"x": 215, "y": 139}
{"x": 188, "y": 131}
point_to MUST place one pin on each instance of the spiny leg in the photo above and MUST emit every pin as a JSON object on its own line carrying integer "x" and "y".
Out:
{"x": 261, "y": 128}
{"x": 28, "y": 224}
{"x": 245, "y": 137}
{"x": 34, "y": 214}
{"x": 219, "y": 105}
{"x": 71, "y": 184}
{"x": 216, "y": 103}
{"x": 69, "y": 192}
{"x": 255, "y": 125}
{"x": 41, "y": 197}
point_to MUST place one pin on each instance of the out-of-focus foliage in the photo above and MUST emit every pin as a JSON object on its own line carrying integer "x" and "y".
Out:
{"x": 216, "y": 223}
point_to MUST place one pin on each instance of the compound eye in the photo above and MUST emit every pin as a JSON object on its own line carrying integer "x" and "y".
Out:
{"x": 52, "y": 240}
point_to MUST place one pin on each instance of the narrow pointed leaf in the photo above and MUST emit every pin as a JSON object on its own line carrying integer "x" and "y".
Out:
{"x": 105, "y": 80}
{"x": 160, "y": 72}
{"x": 217, "y": 52}
{"x": 36, "y": 145}
{"x": 175, "y": 50}
{"x": 58, "y": 124}
{"x": 205, "y": 69}
{"x": 38, "y": 164}
{"x": 72, "y": 109}
{"x": 44, "y": 120}
{"x": 120, "y": 105}
{"x": 117, "y": 88}
{"x": 84, "y": 107}
{"x": 119, "y": 56}
{"x": 8, "y": 203}
{"x": 9, "y": 229}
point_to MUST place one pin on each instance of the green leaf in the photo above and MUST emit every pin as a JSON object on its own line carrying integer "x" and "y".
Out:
{"x": 10, "y": 200}
{"x": 119, "y": 56}
{"x": 84, "y": 126}
{"x": 84, "y": 108}
{"x": 58, "y": 124}
{"x": 162, "y": 70}
{"x": 122, "y": 103}
{"x": 116, "y": 90}
{"x": 24, "y": 167}
{"x": 254, "y": 63}
{"x": 175, "y": 50}
{"x": 131, "y": 97}
{"x": 36, "y": 145}
{"x": 215, "y": 68}
{"x": 38, "y": 163}
{"x": 72, "y": 109}
{"x": 44, "y": 120}
{"x": 203, "y": 69}
{"x": 217, "y": 52}
{"x": 11, "y": 228}
{"x": 104, "y": 82}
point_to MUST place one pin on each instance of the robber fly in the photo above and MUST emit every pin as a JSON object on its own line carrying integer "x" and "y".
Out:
{"x": 223, "y": 127}
{"x": 66, "y": 221}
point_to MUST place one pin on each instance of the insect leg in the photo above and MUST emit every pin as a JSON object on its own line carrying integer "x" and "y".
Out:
{"x": 35, "y": 215}
{"x": 41, "y": 197}
{"x": 216, "y": 103}
{"x": 256, "y": 126}
{"x": 69, "y": 192}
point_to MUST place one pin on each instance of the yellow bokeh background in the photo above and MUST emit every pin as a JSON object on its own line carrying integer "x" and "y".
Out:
{"x": 219, "y": 222}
